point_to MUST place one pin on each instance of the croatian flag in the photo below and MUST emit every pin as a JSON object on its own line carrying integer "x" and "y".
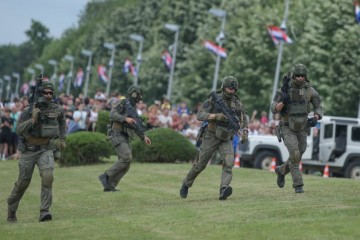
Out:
{"x": 277, "y": 35}
{"x": 79, "y": 78}
{"x": 215, "y": 48}
{"x": 166, "y": 57}
{"x": 61, "y": 81}
{"x": 25, "y": 89}
{"x": 102, "y": 73}
{"x": 128, "y": 67}
{"x": 357, "y": 11}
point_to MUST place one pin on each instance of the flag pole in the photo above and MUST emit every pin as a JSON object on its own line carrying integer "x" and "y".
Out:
{"x": 279, "y": 58}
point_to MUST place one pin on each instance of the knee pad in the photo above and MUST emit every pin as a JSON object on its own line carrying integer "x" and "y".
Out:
{"x": 47, "y": 177}
{"x": 229, "y": 160}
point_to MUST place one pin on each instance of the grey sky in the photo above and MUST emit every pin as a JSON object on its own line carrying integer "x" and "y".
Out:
{"x": 57, "y": 15}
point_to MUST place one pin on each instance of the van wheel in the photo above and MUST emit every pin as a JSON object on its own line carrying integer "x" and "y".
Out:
{"x": 263, "y": 160}
{"x": 353, "y": 170}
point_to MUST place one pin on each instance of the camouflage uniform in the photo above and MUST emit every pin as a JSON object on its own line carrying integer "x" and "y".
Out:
{"x": 119, "y": 135}
{"x": 38, "y": 142}
{"x": 295, "y": 123}
{"x": 217, "y": 136}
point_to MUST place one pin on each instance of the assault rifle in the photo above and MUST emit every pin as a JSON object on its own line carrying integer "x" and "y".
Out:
{"x": 138, "y": 126}
{"x": 229, "y": 113}
{"x": 33, "y": 100}
{"x": 285, "y": 89}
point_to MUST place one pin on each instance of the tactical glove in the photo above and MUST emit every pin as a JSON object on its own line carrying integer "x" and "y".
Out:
{"x": 61, "y": 144}
{"x": 312, "y": 122}
{"x": 285, "y": 98}
{"x": 220, "y": 117}
{"x": 35, "y": 114}
{"x": 244, "y": 136}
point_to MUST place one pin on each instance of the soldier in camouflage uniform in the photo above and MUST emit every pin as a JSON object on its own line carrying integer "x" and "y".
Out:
{"x": 41, "y": 132}
{"x": 119, "y": 134}
{"x": 218, "y": 136}
{"x": 293, "y": 101}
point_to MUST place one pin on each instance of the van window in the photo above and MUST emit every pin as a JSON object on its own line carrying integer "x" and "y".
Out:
{"x": 355, "y": 134}
{"x": 328, "y": 131}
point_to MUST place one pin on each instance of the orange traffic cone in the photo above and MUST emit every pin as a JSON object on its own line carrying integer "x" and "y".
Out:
{"x": 273, "y": 164}
{"x": 326, "y": 171}
{"x": 300, "y": 166}
{"x": 237, "y": 161}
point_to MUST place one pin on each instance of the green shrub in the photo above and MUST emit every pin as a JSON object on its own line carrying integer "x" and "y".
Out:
{"x": 84, "y": 148}
{"x": 167, "y": 146}
{"x": 102, "y": 122}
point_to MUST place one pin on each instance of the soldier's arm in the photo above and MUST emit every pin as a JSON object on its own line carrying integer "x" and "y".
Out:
{"x": 205, "y": 112}
{"x": 117, "y": 113}
{"x": 24, "y": 123}
{"x": 277, "y": 104}
{"x": 243, "y": 118}
{"x": 316, "y": 102}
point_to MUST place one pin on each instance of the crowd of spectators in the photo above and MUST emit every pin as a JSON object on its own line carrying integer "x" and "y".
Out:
{"x": 82, "y": 113}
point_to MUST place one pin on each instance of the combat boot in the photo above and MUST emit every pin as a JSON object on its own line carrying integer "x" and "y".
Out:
{"x": 104, "y": 180}
{"x": 11, "y": 217}
{"x": 45, "y": 216}
{"x": 280, "y": 178}
{"x": 184, "y": 191}
{"x": 299, "y": 189}
{"x": 110, "y": 189}
{"x": 225, "y": 192}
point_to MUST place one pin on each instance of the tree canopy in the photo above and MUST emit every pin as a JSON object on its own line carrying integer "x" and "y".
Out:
{"x": 325, "y": 37}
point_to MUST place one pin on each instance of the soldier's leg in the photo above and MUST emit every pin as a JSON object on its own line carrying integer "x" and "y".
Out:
{"x": 207, "y": 148}
{"x": 227, "y": 154}
{"x": 292, "y": 144}
{"x": 121, "y": 166}
{"x": 46, "y": 169}
{"x": 26, "y": 169}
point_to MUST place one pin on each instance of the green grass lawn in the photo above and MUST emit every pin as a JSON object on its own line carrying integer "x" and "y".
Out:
{"x": 148, "y": 206}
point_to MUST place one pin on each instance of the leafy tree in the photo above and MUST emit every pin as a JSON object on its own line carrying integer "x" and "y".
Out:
{"x": 38, "y": 36}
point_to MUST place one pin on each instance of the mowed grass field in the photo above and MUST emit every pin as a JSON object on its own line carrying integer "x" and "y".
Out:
{"x": 148, "y": 206}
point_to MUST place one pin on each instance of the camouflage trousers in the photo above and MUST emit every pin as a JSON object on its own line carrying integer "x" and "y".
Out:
{"x": 45, "y": 161}
{"x": 122, "y": 165}
{"x": 209, "y": 145}
{"x": 295, "y": 143}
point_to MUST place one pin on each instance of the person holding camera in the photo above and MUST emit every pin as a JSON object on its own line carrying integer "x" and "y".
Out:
{"x": 293, "y": 101}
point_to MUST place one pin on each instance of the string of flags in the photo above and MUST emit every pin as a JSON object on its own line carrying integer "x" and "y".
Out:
{"x": 278, "y": 35}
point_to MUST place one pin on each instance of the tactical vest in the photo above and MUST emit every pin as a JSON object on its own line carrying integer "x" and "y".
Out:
{"x": 221, "y": 128}
{"x": 299, "y": 107}
{"x": 47, "y": 125}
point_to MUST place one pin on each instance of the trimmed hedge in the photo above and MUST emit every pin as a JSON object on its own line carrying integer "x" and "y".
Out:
{"x": 84, "y": 148}
{"x": 102, "y": 122}
{"x": 168, "y": 146}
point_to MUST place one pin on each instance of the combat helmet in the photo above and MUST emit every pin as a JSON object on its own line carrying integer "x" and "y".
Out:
{"x": 47, "y": 85}
{"x": 300, "y": 69}
{"x": 229, "y": 81}
{"x": 135, "y": 93}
